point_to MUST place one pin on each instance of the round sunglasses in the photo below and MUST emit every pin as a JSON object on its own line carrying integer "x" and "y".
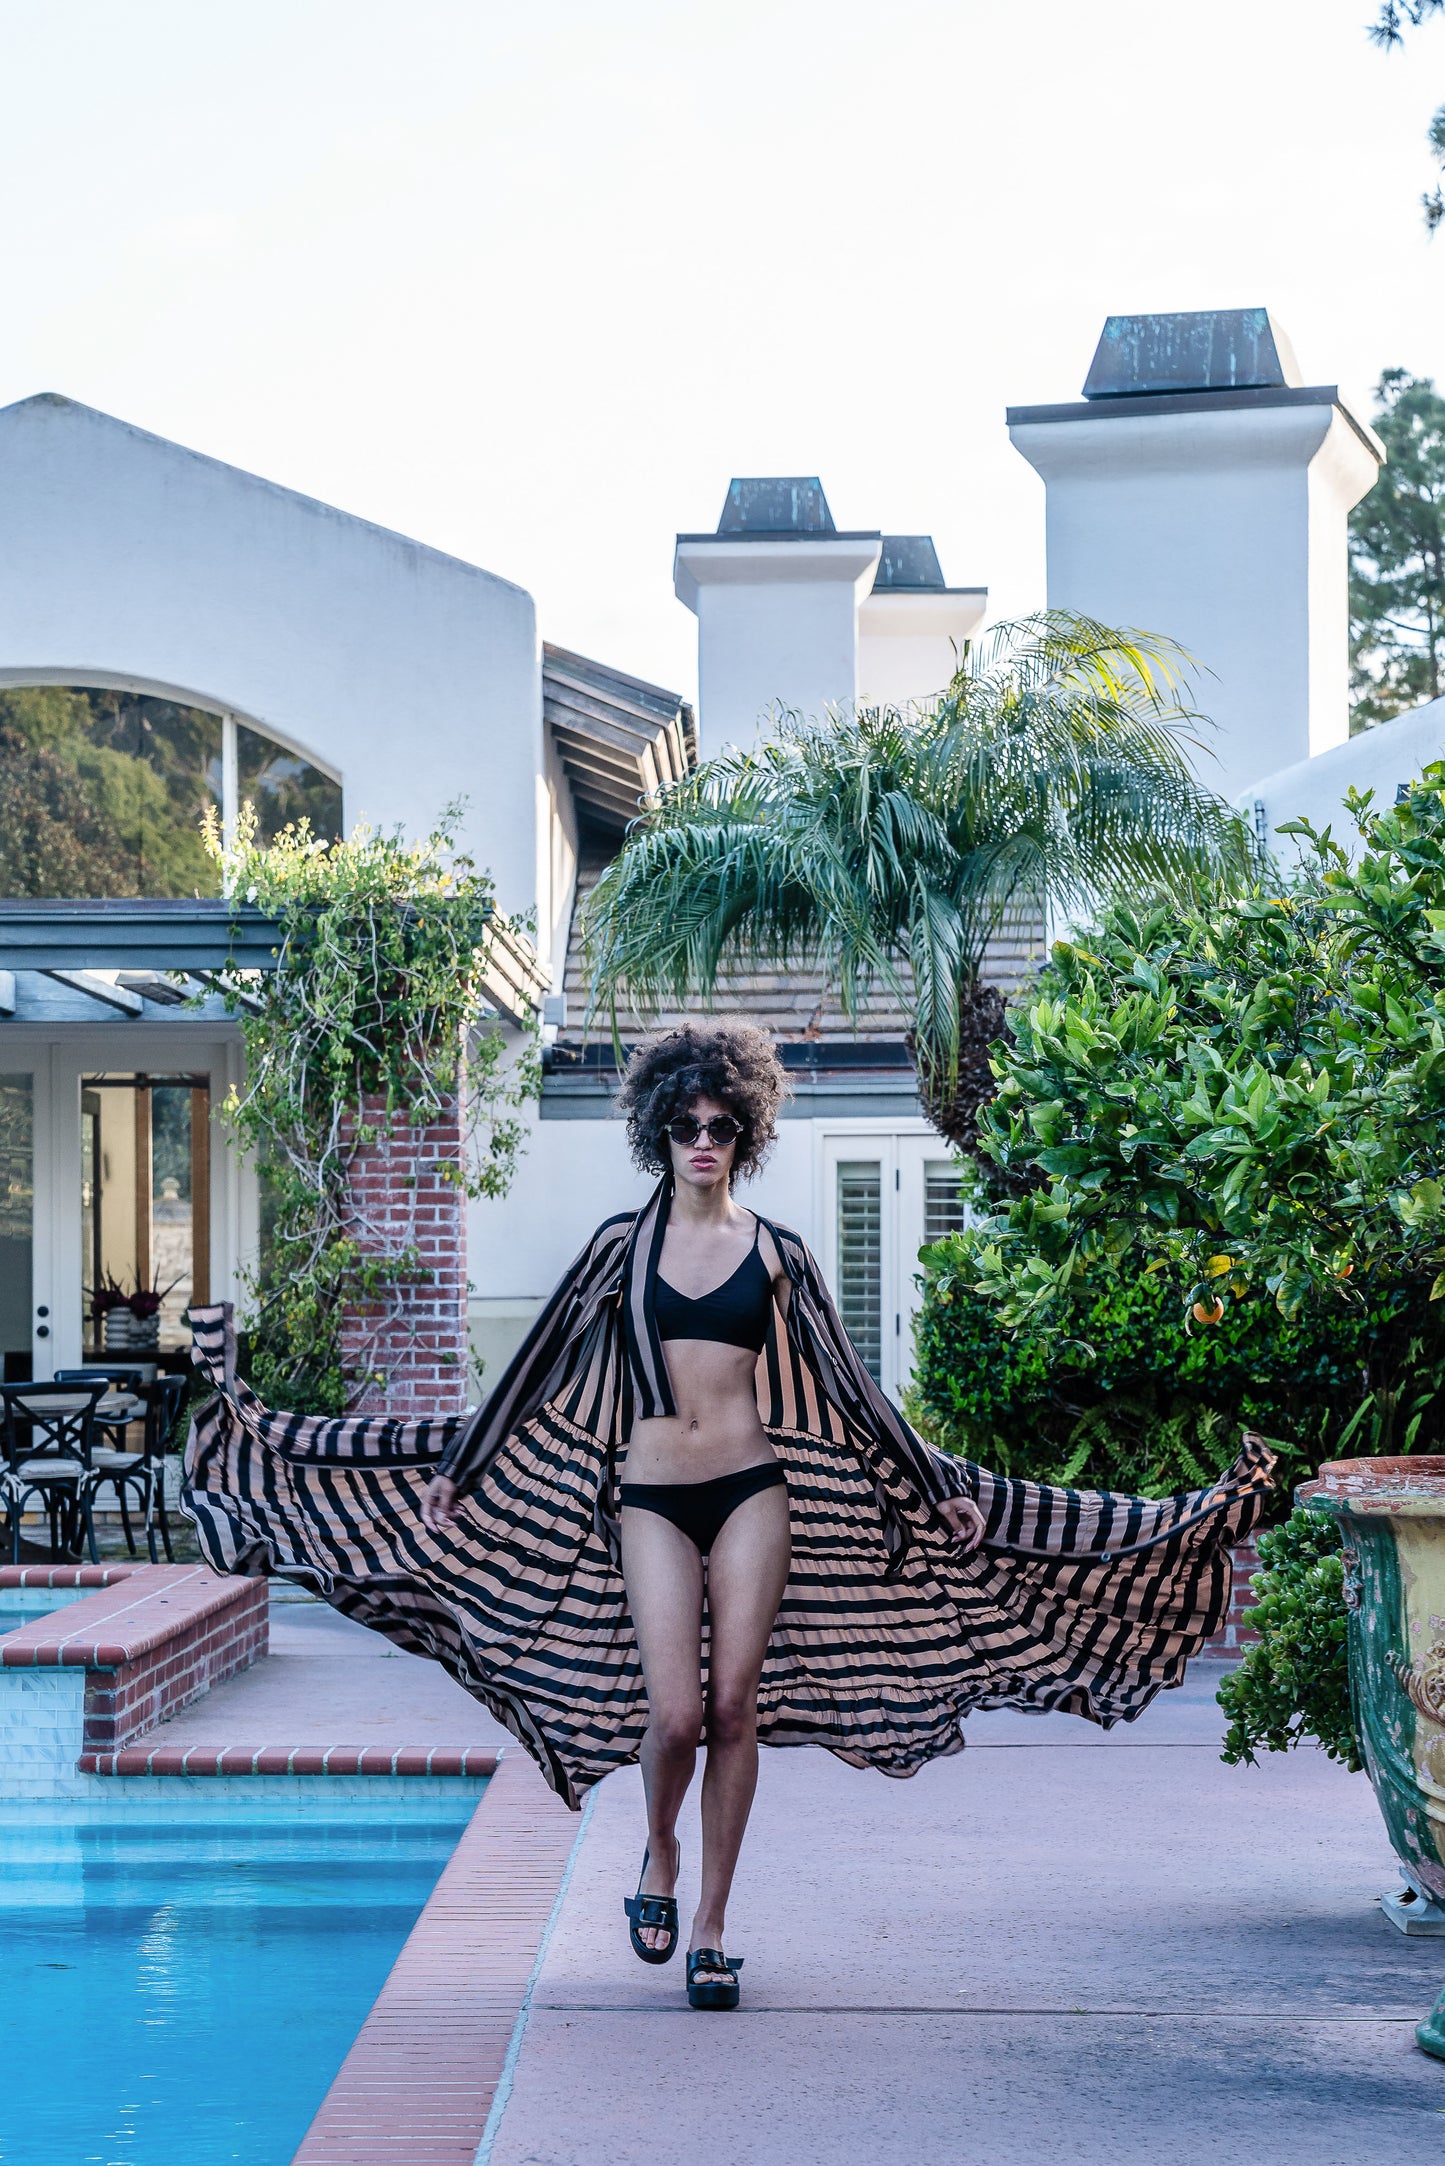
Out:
{"x": 720, "y": 1131}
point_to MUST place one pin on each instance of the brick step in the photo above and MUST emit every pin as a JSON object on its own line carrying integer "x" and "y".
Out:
{"x": 150, "y": 1640}
{"x": 145, "y": 1758}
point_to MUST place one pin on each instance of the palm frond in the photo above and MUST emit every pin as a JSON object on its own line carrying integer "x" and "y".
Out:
{"x": 889, "y": 848}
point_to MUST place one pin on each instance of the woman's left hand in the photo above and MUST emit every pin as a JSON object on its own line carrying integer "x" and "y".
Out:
{"x": 965, "y": 1518}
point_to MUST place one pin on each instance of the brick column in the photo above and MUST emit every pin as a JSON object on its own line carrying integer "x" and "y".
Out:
{"x": 413, "y": 1339}
{"x": 1233, "y": 1635}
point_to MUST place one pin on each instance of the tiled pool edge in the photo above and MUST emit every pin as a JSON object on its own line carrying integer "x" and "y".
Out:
{"x": 412, "y": 1761}
{"x": 144, "y": 1642}
{"x": 418, "y": 2085}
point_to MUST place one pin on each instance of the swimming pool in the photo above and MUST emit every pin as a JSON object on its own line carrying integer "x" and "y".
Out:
{"x": 184, "y": 1990}
{"x": 27, "y": 1605}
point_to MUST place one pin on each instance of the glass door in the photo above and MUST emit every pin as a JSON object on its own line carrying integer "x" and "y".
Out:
{"x": 17, "y": 1227}
{"x": 145, "y": 1208}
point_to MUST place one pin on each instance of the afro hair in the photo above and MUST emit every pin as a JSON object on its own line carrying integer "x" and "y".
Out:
{"x": 732, "y": 1063}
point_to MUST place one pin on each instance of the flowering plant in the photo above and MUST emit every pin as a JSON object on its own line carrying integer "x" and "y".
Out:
{"x": 144, "y": 1301}
{"x": 109, "y": 1294}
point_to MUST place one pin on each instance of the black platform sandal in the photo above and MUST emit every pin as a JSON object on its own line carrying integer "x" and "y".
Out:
{"x": 712, "y": 1992}
{"x": 659, "y": 1912}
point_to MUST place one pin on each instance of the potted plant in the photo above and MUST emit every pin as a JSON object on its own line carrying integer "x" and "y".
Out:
{"x": 110, "y": 1307}
{"x": 1391, "y": 1515}
{"x": 145, "y": 1313}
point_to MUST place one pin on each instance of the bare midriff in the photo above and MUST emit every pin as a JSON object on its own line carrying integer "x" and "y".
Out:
{"x": 715, "y": 1430}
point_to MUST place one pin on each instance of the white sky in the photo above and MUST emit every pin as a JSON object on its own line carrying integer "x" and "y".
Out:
{"x": 531, "y": 281}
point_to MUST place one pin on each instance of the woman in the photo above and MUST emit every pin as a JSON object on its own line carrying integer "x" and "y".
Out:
{"x": 704, "y": 1500}
{"x": 687, "y": 1425}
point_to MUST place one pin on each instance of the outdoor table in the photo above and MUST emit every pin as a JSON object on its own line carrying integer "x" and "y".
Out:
{"x": 115, "y": 1412}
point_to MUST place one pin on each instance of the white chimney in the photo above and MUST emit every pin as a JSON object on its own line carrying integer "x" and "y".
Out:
{"x": 1200, "y": 490}
{"x": 912, "y": 628}
{"x": 793, "y": 614}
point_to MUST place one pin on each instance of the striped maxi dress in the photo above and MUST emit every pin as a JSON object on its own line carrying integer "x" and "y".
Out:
{"x": 888, "y": 1634}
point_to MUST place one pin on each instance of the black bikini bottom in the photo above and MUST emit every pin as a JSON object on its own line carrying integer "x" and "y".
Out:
{"x": 701, "y": 1509}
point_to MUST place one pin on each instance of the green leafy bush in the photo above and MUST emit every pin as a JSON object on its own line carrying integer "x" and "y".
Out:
{"x": 1245, "y": 1095}
{"x": 1116, "y": 1389}
{"x": 1224, "y": 1123}
{"x": 1294, "y": 1684}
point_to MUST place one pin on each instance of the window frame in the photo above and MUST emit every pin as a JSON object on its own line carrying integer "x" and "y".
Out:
{"x": 230, "y": 718}
{"x": 903, "y": 1149}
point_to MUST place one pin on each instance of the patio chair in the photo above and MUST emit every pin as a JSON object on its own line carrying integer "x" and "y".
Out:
{"x": 49, "y": 1438}
{"x": 125, "y": 1374}
{"x": 123, "y": 1378}
{"x": 142, "y": 1473}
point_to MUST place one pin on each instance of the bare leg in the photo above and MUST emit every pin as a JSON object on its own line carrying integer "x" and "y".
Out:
{"x": 663, "y": 1573}
{"x": 746, "y": 1575}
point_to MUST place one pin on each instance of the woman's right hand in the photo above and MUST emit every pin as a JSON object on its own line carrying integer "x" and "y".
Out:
{"x": 439, "y": 1505}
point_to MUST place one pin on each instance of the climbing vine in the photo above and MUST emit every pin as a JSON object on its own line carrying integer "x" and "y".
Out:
{"x": 376, "y": 1002}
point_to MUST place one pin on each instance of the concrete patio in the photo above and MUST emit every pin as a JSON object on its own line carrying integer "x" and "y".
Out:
{"x": 1062, "y": 1945}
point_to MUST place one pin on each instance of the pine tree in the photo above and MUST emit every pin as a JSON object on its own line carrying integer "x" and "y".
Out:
{"x": 1388, "y": 31}
{"x": 1397, "y": 558}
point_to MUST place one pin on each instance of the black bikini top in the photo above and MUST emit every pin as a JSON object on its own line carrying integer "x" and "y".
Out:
{"x": 733, "y": 1314}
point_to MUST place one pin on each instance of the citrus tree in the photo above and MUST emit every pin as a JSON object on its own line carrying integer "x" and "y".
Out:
{"x": 1244, "y": 1095}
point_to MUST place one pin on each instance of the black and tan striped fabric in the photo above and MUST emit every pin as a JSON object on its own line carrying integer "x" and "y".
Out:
{"x": 887, "y": 1636}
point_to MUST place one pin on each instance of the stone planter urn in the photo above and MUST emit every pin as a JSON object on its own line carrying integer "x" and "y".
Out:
{"x": 115, "y": 1326}
{"x": 1391, "y": 1515}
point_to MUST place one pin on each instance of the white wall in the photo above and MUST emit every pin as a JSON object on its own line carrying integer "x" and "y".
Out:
{"x": 777, "y": 626}
{"x": 1378, "y": 759}
{"x": 128, "y": 560}
{"x": 576, "y": 1173}
{"x": 1225, "y": 530}
{"x": 556, "y": 860}
{"x": 909, "y": 644}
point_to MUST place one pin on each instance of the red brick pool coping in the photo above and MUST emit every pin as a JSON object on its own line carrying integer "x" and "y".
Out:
{"x": 418, "y": 2084}
{"x": 151, "y": 1639}
{"x": 65, "y": 1575}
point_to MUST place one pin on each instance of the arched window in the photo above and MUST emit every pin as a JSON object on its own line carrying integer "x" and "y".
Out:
{"x": 103, "y": 792}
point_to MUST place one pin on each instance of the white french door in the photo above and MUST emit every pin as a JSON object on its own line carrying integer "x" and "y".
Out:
{"x": 26, "y": 1304}
{"x": 68, "y": 1120}
{"x": 882, "y": 1192}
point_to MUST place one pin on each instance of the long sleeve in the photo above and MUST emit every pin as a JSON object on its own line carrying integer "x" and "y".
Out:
{"x": 542, "y": 1361}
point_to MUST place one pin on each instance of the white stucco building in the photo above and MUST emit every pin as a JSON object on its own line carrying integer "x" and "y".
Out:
{"x": 171, "y": 623}
{"x": 175, "y": 634}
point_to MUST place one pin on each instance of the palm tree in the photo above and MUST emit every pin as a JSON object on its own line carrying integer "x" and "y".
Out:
{"x": 891, "y": 847}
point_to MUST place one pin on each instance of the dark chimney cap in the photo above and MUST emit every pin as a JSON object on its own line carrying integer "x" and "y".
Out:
{"x": 909, "y": 564}
{"x": 776, "y": 504}
{"x": 1212, "y": 349}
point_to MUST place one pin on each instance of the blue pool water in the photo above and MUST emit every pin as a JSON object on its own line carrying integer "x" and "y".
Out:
{"x": 180, "y": 1993}
{"x": 12, "y": 1619}
{"x": 27, "y": 1605}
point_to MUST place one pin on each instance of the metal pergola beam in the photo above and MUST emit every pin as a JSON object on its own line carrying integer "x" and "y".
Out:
{"x": 122, "y": 933}
{"x": 67, "y": 939}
